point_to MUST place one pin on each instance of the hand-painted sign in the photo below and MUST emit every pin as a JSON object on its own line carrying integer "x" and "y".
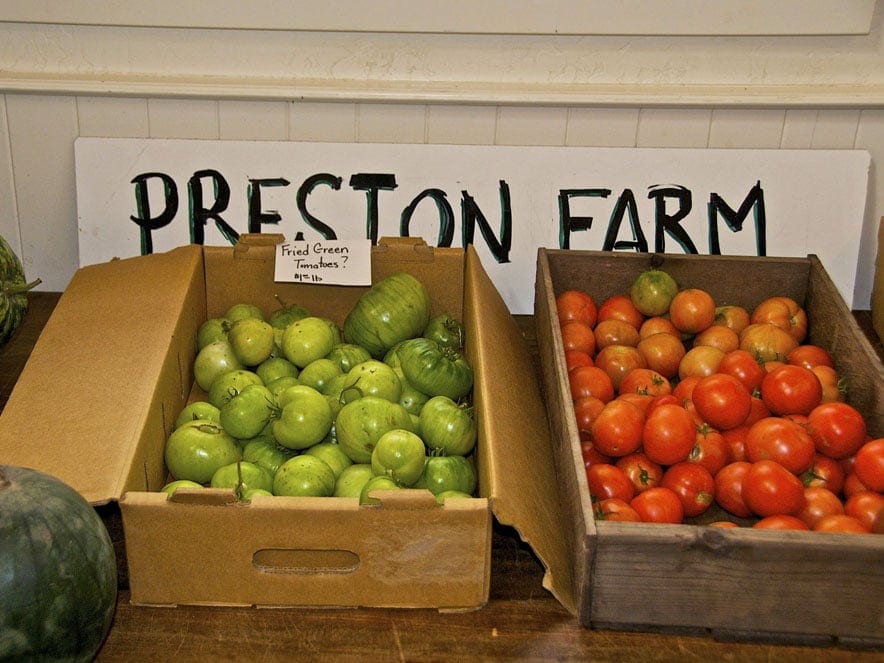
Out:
{"x": 138, "y": 196}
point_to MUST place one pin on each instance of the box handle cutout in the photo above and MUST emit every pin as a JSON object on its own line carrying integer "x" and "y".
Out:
{"x": 300, "y": 561}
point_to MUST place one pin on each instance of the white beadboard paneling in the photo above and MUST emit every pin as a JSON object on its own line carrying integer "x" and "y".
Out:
{"x": 746, "y": 128}
{"x": 391, "y": 123}
{"x": 602, "y": 127}
{"x": 798, "y": 127}
{"x": 253, "y": 120}
{"x": 870, "y": 136}
{"x": 461, "y": 125}
{"x": 673, "y": 127}
{"x": 835, "y": 129}
{"x": 42, "y": 130}
{"x": 183, "y": 118}
{"x": 112, "y": 117}
{"x": 8, "y": 212}
{"x": 531, "y": 126}
{"x": 334, "y": 122}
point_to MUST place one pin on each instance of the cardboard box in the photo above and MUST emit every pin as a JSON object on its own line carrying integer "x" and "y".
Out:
{"x": 733, "y": 583}
{"x": 112, "y": 369}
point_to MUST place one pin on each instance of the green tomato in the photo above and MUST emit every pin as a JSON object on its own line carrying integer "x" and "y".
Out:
{"x": 252, "y": 493}
{"x": 652, "y": 292}
{"x": 243, "y": 310}
{"x": 443, "y": 473}
{"x": 229, "y": 384}
{"x": 392, "y": 310}
{"x": 360, "y": 424}
{"x": 304, "y": 476}
{"x": 347, "y": 355}
{"x": 352, "y": 479}
{"x": 172, "y": 486}
{"x": 332, "y": 454}
{"x": 198, "y": 411}
{"x": 242, "y": 476}
{"x": 434, "y": 369}
{"x": 213, "y": 329}
{"x": 318, "y": 373}
{"x": 248, "y": 412}
{"x": 447, "y": 428}
{"x": 305, "y": 418}
{"x": 197, "y": 449}
{"x": 279, "y": 385}
{"x": 377, "y": 482}
{"x": 445, "y": 494}
{"x": 273, "y": 368}
{"x": 372, "y": 378}
{"x": 251, "y": 339}
{"x": 411, "y": 399}
{"x": 399, "y": 454}
{"x": 307, "y": 339}
{"x": 214, "y": 360}
{"x": 287, "y": 314}
{"x": 263, "y": 450}
{"x": 391, "y": 357}
{"x": 446, "y": 331}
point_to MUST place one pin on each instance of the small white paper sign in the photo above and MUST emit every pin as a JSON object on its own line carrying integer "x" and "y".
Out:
{"x": 326, "y": 262}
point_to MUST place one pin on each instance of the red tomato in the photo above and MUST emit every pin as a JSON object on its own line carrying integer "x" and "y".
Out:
{"x": 758, "y": 411}
{"x": 838, "y": 430}
{"x": 767, "y": 342}
{"x": 591, "y": 455}
{"x": 735, "y": 438}
{"x": 692, "y": 310}
{"x": 575, "y": 358}
{"x": 770, "y": 489}
{"x": 617, "y": 510}
{"x": 852, "y": 485}
{"x": 590, "y": 381}
{"x": 663, "y": 352}
{"x": 719, "y": 336}
{"x": 606, "y": 481}
{"x": 621, "y": 307}
{"x": 781, "y": 440}
{"x": 615, "y": 332}
{"x": 825, "y": 472}
{"x": 693, "y": 484}
{"x": 684, "y": 388}
{"x": 641, "y": 401}
{"x": 722, "y": 401}
{"x": 710, "y": 450}
{"x": 645, "y": 381}
{"x": 618, "y": 360}
{"x": 791, "y": 389}
{"x": 576, "y": 305}
{"x": 819, "y": 503}
{"x": 869, "y": 464}
{"x": 781, "y": 521}
{"x": 617, "y": 430}
{"x": 658, "y": 325}
{"x": 658, "y": 505}
{"x": 834, "y": 388}
{"x": 867, "y": 507}
{"x": 586, "y": 409}
{"x": 810, "y": 356}
{"x": 783, "y": 312}
{"x": 578, "y": 335}
{"x": 742, "y": 365}
{"x": 841, "y": 524}
{"x": 669, "y": 434}
{"x": 729, "y": 488}
{"x": 641, "y": 470}
{"x": 727, "y": 524}
{"x": 701, "y": 360}
{"x": 733, "y": 317}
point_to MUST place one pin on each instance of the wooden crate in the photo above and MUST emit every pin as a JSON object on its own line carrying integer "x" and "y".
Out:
{"x": 741, "y": 583}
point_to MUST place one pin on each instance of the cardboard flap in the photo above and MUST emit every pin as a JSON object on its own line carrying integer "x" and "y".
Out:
{"x": 517, "y": 462}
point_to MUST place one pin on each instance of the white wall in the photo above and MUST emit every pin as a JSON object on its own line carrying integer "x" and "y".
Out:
{"x": 63, "y": 81}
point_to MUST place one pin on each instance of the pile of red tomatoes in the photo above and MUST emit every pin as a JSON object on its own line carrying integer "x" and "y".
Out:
{"x": 694, "y": 411}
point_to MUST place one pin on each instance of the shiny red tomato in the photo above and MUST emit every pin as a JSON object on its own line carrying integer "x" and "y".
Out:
{"x": 607, "y": 480}
{"x": 669, "y": 434}
{"x": 692, "y": 310}
{"x": 615, "y": 332}
{"x": 734, "y": 317}
{"x": 575, "y": 358}
{"x": 790, "y": 389}
{"x": 841, "y": 524}
{"x": 719, "y": 336}
{"x": 590, "y": 381}
{"x": 852, "y": 485}
{"x": 576, "y": 305}
{"x": 710, "y": 450}
{"x": 729, "y": 488}
{"x": 784, "y": 312}
{"x": 590, "y": 454}
{"x": 825, "y": 472}
{"x": 641, "y": 401}
{"x": 810, "y": 356}
{"x": 586, "y": 409}
{"x": 742, "y": 365}
{"x": 819, "y": 503}
{"x": 645, "y": 381}
{"x": 578, "y": 335}
{"x": 617, "y": 430}
{"x": 615, "y": 509}
{"x": 663, "y": 352}
{"x": 618, "y": 360}
{"x": 868, "y": 508}
{"x": 781, "y": 440}
{"x": 658, "y": 505}
{"x": 781, "y": 521}
{"x": 758, "y": 411}
{"x": 658, "y": 324}
{"x": 693, "y": 484}
{"x": 641, "y": 470}
{"x": 722, "y": 401}
{"x": 620, "y": 306}
{"x": 684, "y": 388}
{"x": 770, "y": 489}
{"x": 838, "y": 429}
{"x": 700, "y": 360}
{"x": 834, "y": 387}
{"x": 869, "y": 464}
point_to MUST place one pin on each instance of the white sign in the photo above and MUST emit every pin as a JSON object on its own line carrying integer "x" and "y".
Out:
{"x": 139, "y": 196}
{"x": 324, "y": 261}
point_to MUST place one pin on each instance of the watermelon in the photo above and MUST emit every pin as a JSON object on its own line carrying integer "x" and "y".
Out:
{"x": 58, "y": 571}
{"x": 13, "y": 292}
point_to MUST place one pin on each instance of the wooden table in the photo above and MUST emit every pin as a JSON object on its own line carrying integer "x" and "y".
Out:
{"x": 522, "y": 621}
